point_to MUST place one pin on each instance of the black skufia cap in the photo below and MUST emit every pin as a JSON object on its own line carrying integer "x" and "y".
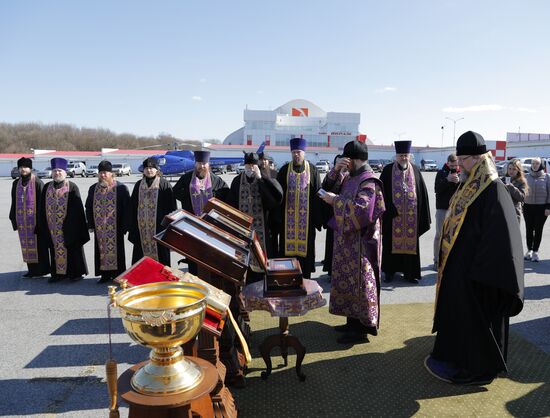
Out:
{"x": 470, "y": 143}
{"x": 24, "y": 162}
{"x": 356, "y": 150}
{"x": 105, "y": 166}
{"x": 251, "y": 158}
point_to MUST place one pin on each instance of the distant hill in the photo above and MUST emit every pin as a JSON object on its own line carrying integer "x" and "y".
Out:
{"x": 21, "y": 137}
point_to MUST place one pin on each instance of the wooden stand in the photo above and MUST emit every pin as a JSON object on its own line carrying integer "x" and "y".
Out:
{"x": 194, "y": 403}
{"x": 283, "y": 340}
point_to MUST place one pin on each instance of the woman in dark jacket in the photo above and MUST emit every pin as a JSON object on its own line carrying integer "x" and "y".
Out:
{"x": 516, "y": 184}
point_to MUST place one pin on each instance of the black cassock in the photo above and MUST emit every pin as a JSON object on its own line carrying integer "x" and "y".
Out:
{"x": 481, "y": 286}
{"x": 408, "y": 264}
{"x": 181, "y": 192}
{"x": 165, "y": 204}
{"x": 75, "y": 232}
{"x": 43, "y": 266}
{"x": 122, "y": 225}
{"x": 272, "y": 195}
{"x": 314, "y": 217}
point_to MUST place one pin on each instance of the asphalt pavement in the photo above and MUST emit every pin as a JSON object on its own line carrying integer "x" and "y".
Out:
{"x": 55, "y": 336}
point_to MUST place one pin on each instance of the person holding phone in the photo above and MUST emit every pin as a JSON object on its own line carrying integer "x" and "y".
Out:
{"x": 446, "y": 182}
{"x": 516, "y": 184}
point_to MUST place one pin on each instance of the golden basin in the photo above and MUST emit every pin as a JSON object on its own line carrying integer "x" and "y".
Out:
{"x": 163, "y": 316}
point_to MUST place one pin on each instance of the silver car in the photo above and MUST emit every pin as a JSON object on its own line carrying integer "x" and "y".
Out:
{"x": 45, "y": 173}
{"x": 92, "y": 171}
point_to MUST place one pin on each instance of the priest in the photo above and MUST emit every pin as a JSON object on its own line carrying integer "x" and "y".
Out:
{"x": 152, "y": 199}
{"x": 107, "y": 213}
{"x": 480, "y": 273}
{"x": 407, "y": 215}
{"x": 63, "y": 221}
{"x": 26, "y": 195}
{"x": 300, "y": 208}
{"x": 255, "y": 192}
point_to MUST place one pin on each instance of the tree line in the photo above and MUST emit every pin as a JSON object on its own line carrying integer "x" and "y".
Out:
{"x": 22, "y": 137}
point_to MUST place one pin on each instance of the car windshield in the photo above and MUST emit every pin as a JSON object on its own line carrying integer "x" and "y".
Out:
{"x": 429, "y": 162}
{"x": 70, "y": 166}
{"x": 93, "y": 167}
{"x": 117, "y": 165}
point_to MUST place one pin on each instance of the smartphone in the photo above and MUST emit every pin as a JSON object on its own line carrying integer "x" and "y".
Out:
{"x": 321, "y": 192}
{"x": 453, "y": 170}
{"x": 507, "y": 180}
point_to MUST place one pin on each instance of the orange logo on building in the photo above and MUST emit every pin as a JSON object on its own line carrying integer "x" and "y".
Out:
{"x": 302, "y": 111}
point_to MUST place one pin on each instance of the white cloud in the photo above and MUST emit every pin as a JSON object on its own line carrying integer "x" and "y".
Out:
{"x": 202, "y": 80}
{"x": 486, "y": 108}
{"x": 478, "y": 108}
{"x": 259, "y": 92}
{"x": 197, "y": 98}
{"x": 525, "y": 109}
{"x": 386, "y": 89}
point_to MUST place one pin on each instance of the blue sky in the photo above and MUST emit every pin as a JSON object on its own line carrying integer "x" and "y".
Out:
{"x": 189, "y": 68}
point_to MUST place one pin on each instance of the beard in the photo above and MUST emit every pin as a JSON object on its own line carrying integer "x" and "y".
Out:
{"x": 201, "y": 173}
{"x": 403, "y": 165}
{"x": 463, "y": 175}
{"x": 59, "y": 178}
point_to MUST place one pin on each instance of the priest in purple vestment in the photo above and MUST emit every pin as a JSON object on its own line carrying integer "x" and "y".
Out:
{"x": 407, "y": 216}
{"x": 300, "y": 208}
{"x": 63, "y": 221}
{"x": 26, "y": 194}
{"x": 356, "y": 197}
{"x": 107, "y": 213}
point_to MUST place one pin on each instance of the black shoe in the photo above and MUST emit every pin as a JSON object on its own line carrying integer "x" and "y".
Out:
{"x": 465, "y": 378}
{"x": 352, "y": 338}
{"x": 103, "y": 279}
{"x": 413, "y": 280}
{"x": 388, "y": 277}
{"x": 27, "y": 275}
{"x": 342, "y": 328}
{"x": 55, "y": 278}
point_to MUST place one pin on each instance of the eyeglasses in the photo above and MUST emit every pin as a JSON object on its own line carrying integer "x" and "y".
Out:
{"x": 460, "y": 158}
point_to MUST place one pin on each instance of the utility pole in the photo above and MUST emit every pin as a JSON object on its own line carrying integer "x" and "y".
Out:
{"x": 454, "y": 128}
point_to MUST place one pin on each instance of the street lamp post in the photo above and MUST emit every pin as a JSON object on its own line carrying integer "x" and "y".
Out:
{"x": 454, "y": 128}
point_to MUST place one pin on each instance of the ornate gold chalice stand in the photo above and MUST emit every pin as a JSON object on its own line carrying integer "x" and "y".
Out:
{"x": 163, "y": 316}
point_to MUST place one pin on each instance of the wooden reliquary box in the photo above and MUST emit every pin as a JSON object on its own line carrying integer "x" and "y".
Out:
{"x": 283, "y": 276}
{"x": 207, "y": 245}
{"x": 243, "y": 219}
{"x": 228, "y": 225}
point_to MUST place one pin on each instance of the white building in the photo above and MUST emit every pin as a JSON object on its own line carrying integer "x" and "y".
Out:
{"x": 297, "y": 118}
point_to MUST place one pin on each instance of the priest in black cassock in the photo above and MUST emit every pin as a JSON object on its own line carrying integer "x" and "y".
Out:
{"x": 300, "y": 209}
{"x": 26, "y": 195}
{"x": 255, "y": 192}
{"x": 107, "y": 213}
{"x": 196, "y": 187}
{"x": 480, "y": 273}
{"x": 274, "y": 221}
{"x": 63, "y": 221}
{"x": 407, "y": 215}
{"x": 152, "y": 199}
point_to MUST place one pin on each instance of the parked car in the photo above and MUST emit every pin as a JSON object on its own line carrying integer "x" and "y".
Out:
{"x": 502, "y": 167}
{"x": 219, "y": 169}
{"x": 323, "y": 166}
{"x": 76, "y": 168}
{"x": 92, "y": 171}
{"x": 376, "y": 165}
{"x": 239, "y": 169}
{"x": 45, "y": 174}
{"x": 15, "y": 172}
{"x": 428, "y": 165}
{"x": 122, "y": 169}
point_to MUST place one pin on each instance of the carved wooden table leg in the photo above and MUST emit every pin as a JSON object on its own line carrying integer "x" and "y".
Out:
{"x": 283, "y": 340}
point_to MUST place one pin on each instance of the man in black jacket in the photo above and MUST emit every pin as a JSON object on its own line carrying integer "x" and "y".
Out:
{"x": 446, "y": 183}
